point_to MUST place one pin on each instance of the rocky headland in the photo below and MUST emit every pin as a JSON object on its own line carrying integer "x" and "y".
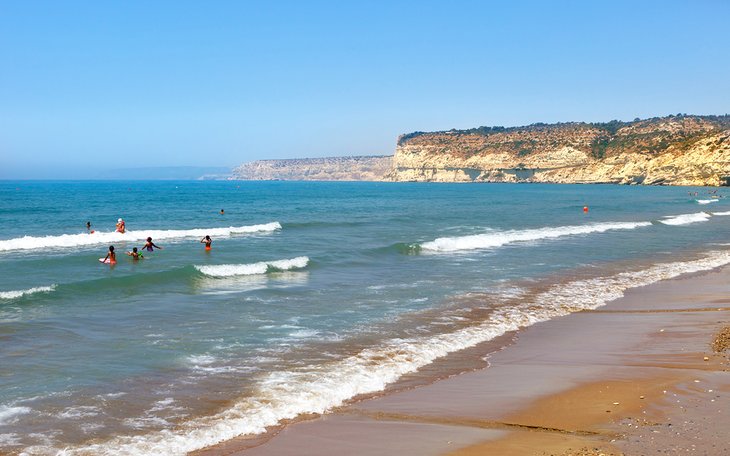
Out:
{"x": 358, "y": 168}
{"x": 673, "y": 150}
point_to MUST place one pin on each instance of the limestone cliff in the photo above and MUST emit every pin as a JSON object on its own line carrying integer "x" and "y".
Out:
{"x": 674, "y": 150}
{"x": 362, "y": 168}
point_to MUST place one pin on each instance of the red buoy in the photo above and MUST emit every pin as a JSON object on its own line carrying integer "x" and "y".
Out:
{"x": 585, "y": 208}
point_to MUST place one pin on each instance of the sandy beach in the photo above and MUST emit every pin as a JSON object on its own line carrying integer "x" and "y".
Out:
{"x": 640, "y": 375}
{"x": 364, "y": 229}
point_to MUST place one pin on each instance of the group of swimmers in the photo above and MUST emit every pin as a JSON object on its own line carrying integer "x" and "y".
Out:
{"x": 111, "y": 256}
{"x": 121, "y": 227}
{"x": 709, "y": 192}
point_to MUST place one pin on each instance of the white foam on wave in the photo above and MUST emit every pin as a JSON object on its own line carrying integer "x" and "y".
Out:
{"x": 208, "y": 364}
{"x": 721, "y": 213}
{"x": 13, "y": 294}
{"x": 262, "y": 267}
{"x": 304, "y": 333}
{"x": 500, "y": 238}
{"x": 686, "y": 219}
{"x": 99, "y": 237}
{"x": 8, "y": 414}
{"x": 82, "y": 411}
{"x": 11, "y": 439}
{"x": 317, "y": 389}
{"x": 201, "y": 359}
{"x": 707, "y": 201}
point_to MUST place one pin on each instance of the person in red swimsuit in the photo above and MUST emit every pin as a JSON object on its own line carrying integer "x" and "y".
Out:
{"x": 111, "y": 257}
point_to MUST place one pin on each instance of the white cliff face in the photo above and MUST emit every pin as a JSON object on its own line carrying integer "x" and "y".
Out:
{"x": 363, "y": 168}
{"x": 685, "y": 150}
{"x": 681, "y": 150}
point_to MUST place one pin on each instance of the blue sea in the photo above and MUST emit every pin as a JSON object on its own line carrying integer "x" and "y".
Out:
{"x": 313, "y": 293}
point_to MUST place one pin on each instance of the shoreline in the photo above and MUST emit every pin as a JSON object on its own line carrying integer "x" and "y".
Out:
{"x": 607, "y": 379}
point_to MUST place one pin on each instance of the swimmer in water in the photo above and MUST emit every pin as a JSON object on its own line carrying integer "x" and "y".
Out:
{"x": 110, "y": 257}
{"x": 121, "y": 227}
{"x": 150, "y": 246}
{"x": 134, "y": 254}
{"x": 207, "y": 241}
{"x": 222, "y": 212}
{"x": 88, "y": 227}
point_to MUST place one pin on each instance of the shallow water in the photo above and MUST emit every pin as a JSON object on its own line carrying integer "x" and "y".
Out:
{"x": 311, "y": 294}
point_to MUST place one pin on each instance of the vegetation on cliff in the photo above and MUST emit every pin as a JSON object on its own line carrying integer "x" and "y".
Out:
{"x": 679, "y": 149}
{"x": 610, "y": 128}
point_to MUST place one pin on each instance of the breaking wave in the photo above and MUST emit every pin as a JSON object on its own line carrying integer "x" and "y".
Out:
{"x": 8, "y": 413}
{"x": 99, "y": 237}
{"x": 500, "y": 238}
{"x": 19, "y": 293}
{"x": 230, "y": 270}
{"x": 316, "y": 389}
{"x": 686, "y": 219}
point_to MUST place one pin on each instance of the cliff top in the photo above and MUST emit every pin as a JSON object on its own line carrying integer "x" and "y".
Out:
{"x": 286, "y": 161}
{"x": 673, "y": 124}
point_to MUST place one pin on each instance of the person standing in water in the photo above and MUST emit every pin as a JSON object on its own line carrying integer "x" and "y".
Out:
{"x": 111, "y": 257}
{"x": 134, "y": 254}
{"x": 207, "y": 241}
{"x": 150, "y": 246}
{"x": 88, "y": 227}
{"x": 121, "y": 227}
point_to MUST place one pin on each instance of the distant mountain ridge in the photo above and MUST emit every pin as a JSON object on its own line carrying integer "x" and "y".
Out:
{"x": 167, "y": 173}
{"x": 355, "y": 168}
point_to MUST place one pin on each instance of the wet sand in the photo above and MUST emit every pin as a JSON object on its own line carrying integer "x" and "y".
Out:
{"x": 638, "y": 376}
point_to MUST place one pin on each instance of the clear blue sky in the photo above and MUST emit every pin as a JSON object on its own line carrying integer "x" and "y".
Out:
{"x": 91, "y": 85}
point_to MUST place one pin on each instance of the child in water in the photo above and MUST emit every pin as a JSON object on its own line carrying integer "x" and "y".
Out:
{"x": 134, "y": 254}
{"x": 207, "y": 241}
{"x": 121, "y": 226}
{"x": 150, "y": 246}
{"x": 111, "y": 257}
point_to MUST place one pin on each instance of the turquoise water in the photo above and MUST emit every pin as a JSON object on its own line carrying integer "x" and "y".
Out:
{"x": 312, "y": 293}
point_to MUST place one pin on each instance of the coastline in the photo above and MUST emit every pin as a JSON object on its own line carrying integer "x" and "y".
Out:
{"x": 635, "y": 376}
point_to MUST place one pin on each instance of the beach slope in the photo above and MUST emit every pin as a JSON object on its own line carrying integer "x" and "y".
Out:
{"x": 638, "y": 376}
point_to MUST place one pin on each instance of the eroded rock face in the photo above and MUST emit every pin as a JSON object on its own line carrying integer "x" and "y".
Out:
{"x": 681, "y": 150}
{"x": 363, "y": 168}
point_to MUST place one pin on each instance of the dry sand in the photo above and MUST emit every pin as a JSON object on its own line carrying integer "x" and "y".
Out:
{"x": 636, "y": 377}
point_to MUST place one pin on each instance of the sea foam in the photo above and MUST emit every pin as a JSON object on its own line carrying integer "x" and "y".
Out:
{"x": 18, "y": 293}
{"x": 262, "y": 267}
{"x": 287, "y": 394}
{"x": 686, "y": 219}
{"x": 9, "y": 414}
{"x": 100, "y": 237}
{"x": 707, "y": 201}
{"x": 500, "y": 238}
